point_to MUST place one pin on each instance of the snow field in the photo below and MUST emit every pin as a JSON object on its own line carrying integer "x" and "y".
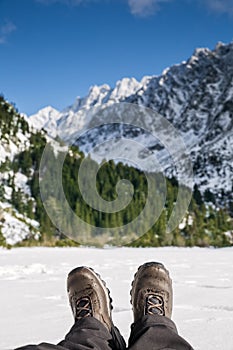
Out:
{"x": 34, "y": 305}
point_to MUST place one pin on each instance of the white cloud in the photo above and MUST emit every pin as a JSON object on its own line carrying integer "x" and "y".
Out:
{"x": 6, "y": 29}
{"x": 149, "y": 7}
{"x": 137, "y": 7}
{"x": 220, "y": 6}
{"x": 144, "y": 7}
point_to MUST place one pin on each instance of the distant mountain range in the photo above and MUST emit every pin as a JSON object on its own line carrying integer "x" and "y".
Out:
{"x": 196, "y": 96}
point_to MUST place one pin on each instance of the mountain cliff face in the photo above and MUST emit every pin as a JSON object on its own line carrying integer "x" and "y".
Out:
{"x": 196, "y": 96}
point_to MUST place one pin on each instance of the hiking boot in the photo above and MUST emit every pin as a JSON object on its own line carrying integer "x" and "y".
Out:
{"x": 151, "y": 292}
{"x": 89, "y": 296}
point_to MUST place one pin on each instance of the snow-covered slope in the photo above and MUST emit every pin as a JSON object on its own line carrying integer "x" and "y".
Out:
{"x": 14, "y": 190}
{"x": 196, "y": 96}
{"x": 14, "y": 133}
{"x": 46, "y": 118}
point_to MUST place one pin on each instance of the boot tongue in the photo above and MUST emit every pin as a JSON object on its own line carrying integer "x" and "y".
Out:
{"x": 154, "y": 305}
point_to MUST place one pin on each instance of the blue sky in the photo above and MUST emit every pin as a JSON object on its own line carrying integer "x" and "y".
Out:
{"x": 53, "y": 50}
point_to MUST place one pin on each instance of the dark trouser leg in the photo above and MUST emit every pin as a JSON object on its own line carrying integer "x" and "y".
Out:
{"x": 88, "y": 333}
{"x": 156, "y": 333}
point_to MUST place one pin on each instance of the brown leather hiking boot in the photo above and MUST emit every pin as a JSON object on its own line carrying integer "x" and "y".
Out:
{"x": 151, "y": 292}
{"x": 89, "y": 296}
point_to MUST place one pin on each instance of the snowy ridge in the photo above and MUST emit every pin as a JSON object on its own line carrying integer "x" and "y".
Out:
{"x": 195, "y": 96}
{"x": 16, "y": 136}
{"x": 46, "y": 118}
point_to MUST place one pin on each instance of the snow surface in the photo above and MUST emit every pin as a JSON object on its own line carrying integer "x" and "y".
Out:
{"x": 21, "y": 182}
{"x": 34, "y": 305}
{"x": 15, "y": 227}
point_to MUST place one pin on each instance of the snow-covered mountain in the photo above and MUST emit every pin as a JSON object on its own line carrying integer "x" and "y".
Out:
{"x": 196, "y": 96}
{"x": 14, "y": 189}
{"x": 76, "y": 116}
{"x": 46, "y": 118}
{"x": 20, "y": 148}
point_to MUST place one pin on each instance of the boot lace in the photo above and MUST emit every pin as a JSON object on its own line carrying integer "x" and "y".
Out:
{"x": 83, "y": 308}
{"x": 154, "y": 305}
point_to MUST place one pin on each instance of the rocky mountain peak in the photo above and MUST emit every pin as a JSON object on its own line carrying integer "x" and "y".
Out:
{"x": 195, "y": 96}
